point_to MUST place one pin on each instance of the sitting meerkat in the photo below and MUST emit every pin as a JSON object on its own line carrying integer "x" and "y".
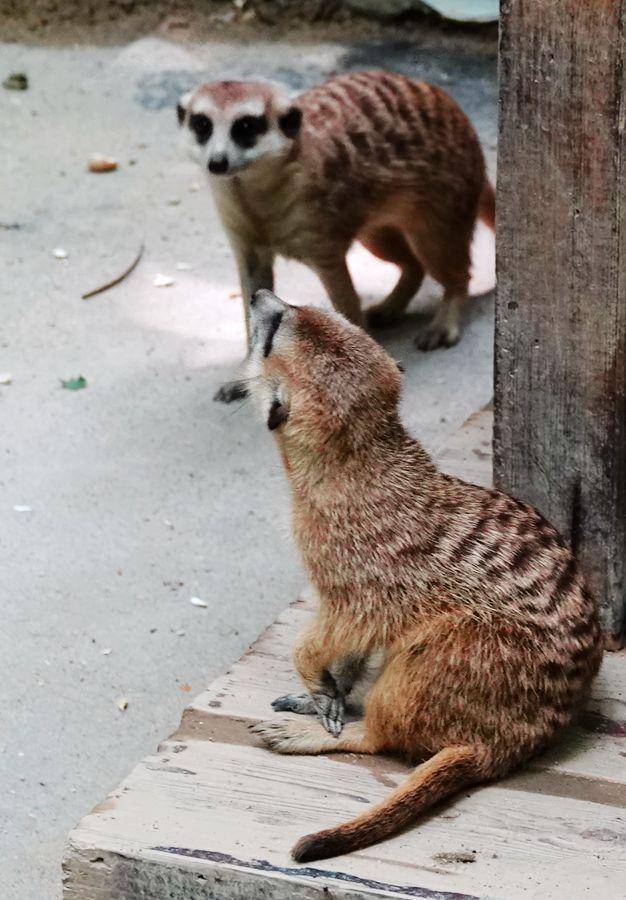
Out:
{"x": 369, "y": 156}
{"x": 463, "y": 605}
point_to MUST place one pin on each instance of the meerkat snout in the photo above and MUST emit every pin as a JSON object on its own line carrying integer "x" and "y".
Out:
{"x": 218, "y": 165}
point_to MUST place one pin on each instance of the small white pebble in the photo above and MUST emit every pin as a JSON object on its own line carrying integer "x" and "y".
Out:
{"x": 6, "y": 378}
{"x": 59, "y": 253}
{"x": 162, "y": 280}
{"x": 180, "y": 633}
{"x": 106, "y": 651}
{"x": 122, "y": 704}
{"x": 23, "y": 508}
{"x": 198, "y": 601}
{"x": 183, "y": 267}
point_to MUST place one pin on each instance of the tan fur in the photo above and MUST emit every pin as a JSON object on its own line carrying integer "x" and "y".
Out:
{"x": 379, "y": 158}
{"x": 488, "y": 636}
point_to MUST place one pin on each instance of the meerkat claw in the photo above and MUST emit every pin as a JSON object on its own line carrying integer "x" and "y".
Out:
{"x": 331, "y": 712}
{"x": 303, "y": 704}
{"x": 269, "y": 731}
{"x": 433, "y": 338}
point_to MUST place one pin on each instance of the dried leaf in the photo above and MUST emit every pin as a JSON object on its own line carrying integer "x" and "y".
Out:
{"x": 185, "y": 687}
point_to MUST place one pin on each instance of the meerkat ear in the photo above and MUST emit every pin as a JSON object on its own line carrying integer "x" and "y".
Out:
{"x": 277, "y": 415}
{"x": 290, "y": 122}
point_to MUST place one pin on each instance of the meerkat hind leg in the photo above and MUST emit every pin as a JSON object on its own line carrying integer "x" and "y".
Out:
{"x": 445, "y": 254}
{"x": 391, "y": 309}
{"x": 444, "y": 329}
{"x": 390, "y": 245}
{"x": 308, "y": 736}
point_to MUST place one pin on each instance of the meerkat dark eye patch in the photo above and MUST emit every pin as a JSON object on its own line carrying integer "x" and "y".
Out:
{"x": 290, "y": 122}
{"x": 277, "y": 415}
{"x": 271, "y": 332}
{"x": 245, "y": 130}
{"x": 201, "y": 126}
{"x": 180, "y": 113}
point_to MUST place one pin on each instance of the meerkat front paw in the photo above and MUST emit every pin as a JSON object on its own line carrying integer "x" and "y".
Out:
{"x": 303, "y": 704}
{"x": 232, "y": 390}
{"x": 331, "y": 712}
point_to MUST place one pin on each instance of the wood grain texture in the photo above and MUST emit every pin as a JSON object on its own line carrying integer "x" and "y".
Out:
{"x": 560, "y": 395}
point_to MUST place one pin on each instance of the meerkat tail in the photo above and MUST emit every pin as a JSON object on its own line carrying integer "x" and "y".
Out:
{"x": 487, "y": 205}
{"x": 449, "y": 771}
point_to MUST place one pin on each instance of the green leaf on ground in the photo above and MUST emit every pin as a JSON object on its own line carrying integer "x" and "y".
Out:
{"x": 74, "y": 384}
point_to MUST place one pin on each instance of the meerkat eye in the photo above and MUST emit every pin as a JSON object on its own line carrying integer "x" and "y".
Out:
{"x": 290, "y": 122}
{"x": 201, "y": 126}
{"x": 277, "y": 415}
{"x": 247, "y": 129}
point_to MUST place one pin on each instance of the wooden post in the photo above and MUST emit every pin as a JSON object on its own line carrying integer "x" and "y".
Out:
{"x": 560, "y": 376}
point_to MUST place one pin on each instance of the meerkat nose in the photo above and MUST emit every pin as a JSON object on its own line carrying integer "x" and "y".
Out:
{"x": 218, "y": 165}
{"x": 263, "y": 297}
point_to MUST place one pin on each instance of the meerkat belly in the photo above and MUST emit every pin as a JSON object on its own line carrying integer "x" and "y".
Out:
{"x": 273, "y": 219}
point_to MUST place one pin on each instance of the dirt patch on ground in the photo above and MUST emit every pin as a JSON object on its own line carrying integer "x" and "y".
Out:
{"x": 62, "y": 22}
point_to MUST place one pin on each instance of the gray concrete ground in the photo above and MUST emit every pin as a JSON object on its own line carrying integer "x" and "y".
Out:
{"x": 141, "y": 491}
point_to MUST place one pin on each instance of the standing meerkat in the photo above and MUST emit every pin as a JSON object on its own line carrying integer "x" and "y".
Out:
{"x": 465, "y": 604}
{"x": 368, "y": 156}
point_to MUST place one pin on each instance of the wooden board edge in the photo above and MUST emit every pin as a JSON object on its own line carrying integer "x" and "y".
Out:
{"x": 94, "y": 874}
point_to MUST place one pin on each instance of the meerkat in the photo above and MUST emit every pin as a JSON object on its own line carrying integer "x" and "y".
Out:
{"x": 463, "y": 606}
{"x": 369, "y": 156}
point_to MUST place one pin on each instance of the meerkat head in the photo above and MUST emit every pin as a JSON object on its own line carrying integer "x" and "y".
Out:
{"x": 230, "y": 125}
{"x": 319, "y": 380}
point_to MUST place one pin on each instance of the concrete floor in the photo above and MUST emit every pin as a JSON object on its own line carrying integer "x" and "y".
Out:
{"x": 142, "y": 491}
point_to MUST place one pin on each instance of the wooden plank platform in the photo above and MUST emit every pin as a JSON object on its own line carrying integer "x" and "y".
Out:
{"x": 213, "y": 815}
